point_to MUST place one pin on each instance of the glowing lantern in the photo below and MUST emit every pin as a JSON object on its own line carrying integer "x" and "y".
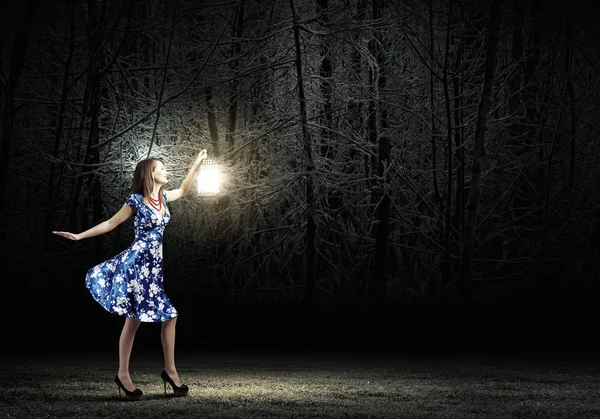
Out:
{"x": 208, "y": 178}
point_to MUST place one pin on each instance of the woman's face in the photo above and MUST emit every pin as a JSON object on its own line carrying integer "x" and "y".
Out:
{"x": 159, "y": 173}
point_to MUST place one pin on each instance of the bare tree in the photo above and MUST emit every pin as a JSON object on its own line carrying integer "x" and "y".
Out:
{"x": 309, "y": 167}
{"x": 378, "y": 125}
{"x": 7, "y": 100}
{"x": 238, "y": 28}
{"x": 479, "y": 149}
{"x": 378, "y": 85}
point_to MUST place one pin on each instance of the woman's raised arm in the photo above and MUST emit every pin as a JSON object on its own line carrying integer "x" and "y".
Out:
{"x": 183, "y": 190}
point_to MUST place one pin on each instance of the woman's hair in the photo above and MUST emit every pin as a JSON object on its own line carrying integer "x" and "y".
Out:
{"x": 142, "y": 177}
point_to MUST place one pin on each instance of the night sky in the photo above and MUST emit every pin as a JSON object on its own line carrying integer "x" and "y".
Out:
{"x": 423, "y": 174}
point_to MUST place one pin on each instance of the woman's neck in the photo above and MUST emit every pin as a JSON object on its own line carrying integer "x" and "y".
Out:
{"x": 155, "y": 193}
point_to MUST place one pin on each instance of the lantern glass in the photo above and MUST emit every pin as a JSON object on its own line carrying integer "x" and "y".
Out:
{"x": 208, "y": 179}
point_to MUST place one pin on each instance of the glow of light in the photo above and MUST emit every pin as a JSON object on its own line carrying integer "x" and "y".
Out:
{"x": 208, "y": 179}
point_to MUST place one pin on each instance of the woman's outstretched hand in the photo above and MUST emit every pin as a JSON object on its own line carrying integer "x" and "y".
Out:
{"x": 201, "y": 156}
{"x": 67, "y": 235}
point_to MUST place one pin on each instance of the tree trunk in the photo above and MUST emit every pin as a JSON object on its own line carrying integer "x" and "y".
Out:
{"x": 446, "y": 265}
{"x": 90, "y": 108}
{"x": 436, "y": 191}
{"x": 355, "y": 107}
{"x": 356, "y": 123}
{"x": 163, "y": 82}
{"x": 550, "y": 165}
{"x": 459, "y": 152}
{"x": 531, "y": 88}
{"x": 212, "y": 122}
{"x": 8, "y": 104}
{"x": 514, "y": 102}
{"x": 378, "y": 283}
{"x": 233, "y": 96}
{"x": 58, "y": 132}
{"x": 92, "y": 156}
{"x": 573, "y": 142}
{"x": 380, "y": 193}
{"x": 308, "y": 157}
{"x": 479, "y": 150}
{"x": 325, "y": 71}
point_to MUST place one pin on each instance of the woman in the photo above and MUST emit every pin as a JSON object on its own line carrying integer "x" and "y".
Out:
{"x": 131, "y": 283}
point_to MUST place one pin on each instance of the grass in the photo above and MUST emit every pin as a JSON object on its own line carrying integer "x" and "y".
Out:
{"x": 307, "y": 383}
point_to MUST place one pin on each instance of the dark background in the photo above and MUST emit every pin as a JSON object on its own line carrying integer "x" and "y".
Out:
{"x": 351, "y": 154}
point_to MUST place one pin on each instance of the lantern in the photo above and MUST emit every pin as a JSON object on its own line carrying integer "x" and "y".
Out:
{"x": 208, "y": 179}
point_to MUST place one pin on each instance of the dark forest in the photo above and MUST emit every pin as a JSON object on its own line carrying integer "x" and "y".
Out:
{"x": 386, "y": 167}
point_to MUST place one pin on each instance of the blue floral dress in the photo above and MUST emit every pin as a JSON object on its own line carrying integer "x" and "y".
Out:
{"x": 131, "y": 283}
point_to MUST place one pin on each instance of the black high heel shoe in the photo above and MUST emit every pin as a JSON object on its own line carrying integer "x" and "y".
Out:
{"x": 131, "y": 395}
{"x": 177, "y": 391}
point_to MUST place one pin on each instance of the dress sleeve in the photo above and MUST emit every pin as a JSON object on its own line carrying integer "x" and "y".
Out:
{"x": 132, "y": 201}
{"x": 165, "y": 196}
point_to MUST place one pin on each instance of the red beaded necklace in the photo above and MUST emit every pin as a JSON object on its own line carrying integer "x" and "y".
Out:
{"x": 155, "y": 203}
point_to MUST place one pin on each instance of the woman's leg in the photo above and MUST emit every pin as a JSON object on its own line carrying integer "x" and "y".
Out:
{"x": 167, "y": 335}
{"x": 125, "y": 344}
